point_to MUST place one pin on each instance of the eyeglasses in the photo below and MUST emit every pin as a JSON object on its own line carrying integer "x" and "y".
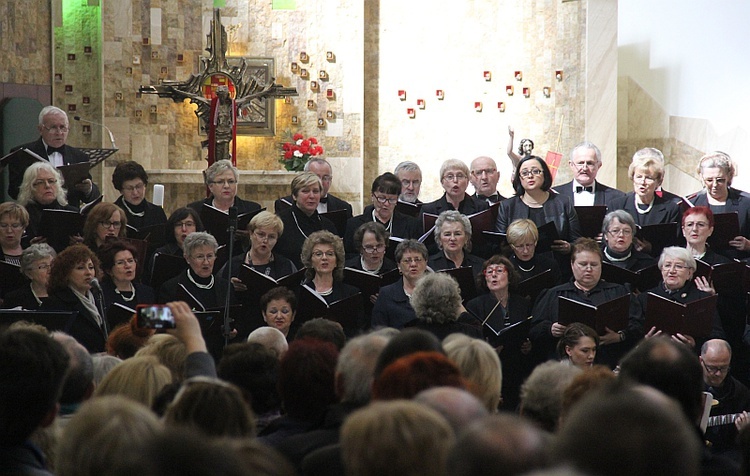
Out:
{"x": 717, "y": 181}
{"x": 412, "y": 183}
{"x": 133, "y": 188}
{"x": 644, "y": 178}
{"x": 695, "y": 224}
{"x": 675, "y": 266}
{"x": 229, "y": 182}
{"x": 384, "y": 200}
{"x": 620, "y": 231}
{"x": 15, "y": 226}
{"x": 265, "y": 237}
{"x": 585, "y": 165}
{"x": 531, "y": 173}
{"x": 51, "y": 182}
{"x": 208, "y": 257}
{"x": 480, "y": 172}
{"x": 56, "y": 128}
{"x": 326, "y": 178}
{"x": 715, "y": 370}
{"x": 495, "y": 270}
{"x": 110, "y": 224}
{"x": 123, "y": 262}
{"x": 525, "y": 246}
{"x": 416, "y": 260}
{"x": 374, "y": 249}
{"x": 185, "y": 224}
{"x": 327, "y": 254}
{"x": 42, "y": 267}
{"x": 453, "y": 177}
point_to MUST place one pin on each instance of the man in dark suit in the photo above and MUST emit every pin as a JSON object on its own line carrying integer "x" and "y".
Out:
{"x": 484, "y": 177}
{"x": 328, "y": 202}
{"x": 53, "y": 129}
{"x": 584, "y": 190}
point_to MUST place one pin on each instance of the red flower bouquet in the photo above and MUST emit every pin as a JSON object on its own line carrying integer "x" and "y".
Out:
{"x": 297, "y": 151}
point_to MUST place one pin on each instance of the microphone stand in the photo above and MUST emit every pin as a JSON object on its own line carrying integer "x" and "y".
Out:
{"x": 232, "y": 229}
{"x": 97, "y": 288}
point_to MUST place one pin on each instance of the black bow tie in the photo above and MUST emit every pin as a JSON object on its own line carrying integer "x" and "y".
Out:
{"x": 51, "y": 149}
{"x": 324, "y": 199}
{"x": 589, "y": 189}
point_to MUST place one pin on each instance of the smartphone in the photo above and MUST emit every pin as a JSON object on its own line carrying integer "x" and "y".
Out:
{"x": 154, "y": 316}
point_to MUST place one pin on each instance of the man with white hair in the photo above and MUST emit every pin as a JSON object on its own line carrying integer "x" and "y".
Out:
{"x": 410, "y": 175}
{"x": 585, "y": 161}
{"x": 53, "y": 130}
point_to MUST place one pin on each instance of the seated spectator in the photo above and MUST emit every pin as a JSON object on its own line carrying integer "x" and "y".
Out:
{"x": 79, "y": 382}
{"x": 409, "y": 375}
{"x": 126, "y": 339}
{"x": 32, "y": 372}
{"x": 138, "y": 378}
{"x": 261, "y": 460}
{"x": 405, "y": 343}
{"x": 103, "y": 364}
{"x": 437, "y": 303}
{"x": 541, "y": 393}
{"x": 323, "y": 329}
{"x": 196, "y": 405}
{"x": 397, "y": 437}
{"x": 594, "y": 378}
{"x": 506, "y": 443}
{"x": 102, "y": 431}
{"x": 459, "y": 407}
{"x": 170, "y": 352}
{"x": 479, "y": 365}
{"x": 270, "y": 338}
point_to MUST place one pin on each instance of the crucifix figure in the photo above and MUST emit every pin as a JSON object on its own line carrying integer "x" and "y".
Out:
{"x": 220, "y": 91}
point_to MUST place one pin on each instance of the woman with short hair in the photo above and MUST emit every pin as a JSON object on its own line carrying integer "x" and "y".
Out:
{"x": 119, "y": 263}
{"x": 130, "y": 179}
{"x": 371, "y": 241}
{"x": 13, "y": 222}
{"x": 454, "y": 178}
{"x": 437, "y": 304}
{"x": 36, "y": 261}
{"x": 618, "y": 231}
{"x": 104, "y": 221}
{"x": 453, "y": 238}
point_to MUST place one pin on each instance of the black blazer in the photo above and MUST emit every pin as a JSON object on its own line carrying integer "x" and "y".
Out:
{"x": 737, "y": 201}
{"x": 393, "y": 308}
{"x": 154, "y": 214}
{"x": 22, "y": 297}
{"x": 602, "y": 193}
{"x": 439, "y": 261}
{"x": 334, "y": 203}
{"x": 85, "y": 328}
{"x": 468, "y": 206}
{"x": 170, "y": 291}
{"x": 143, "y": 295}
{"x": 71, "y": 155}
{"x": 243, "y": 206}
{"x": 663, "y": 211}
{"x": 558, "y": 209}
{"x": 403, "y": 226}
{"x": 297, "y": 227}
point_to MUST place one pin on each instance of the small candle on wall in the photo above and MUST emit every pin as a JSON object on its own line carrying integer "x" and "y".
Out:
{"x": 158, "y": 198}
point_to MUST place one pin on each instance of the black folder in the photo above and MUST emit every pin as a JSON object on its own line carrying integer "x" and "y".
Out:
{"x": 165, "y": 268}
{"x": 408, "y": 208}
{"x": 591, "y": 219}
{"x": 612, "y": 314}
{"x": 118, "y": 314}
{"x": 660, "y": 236}
{"x": 465, "y": 278}
{"x": 642, "y": 280}
{"x": 534, "y": 285}
{"x": 11, "y": 277}
{"x": 393, "y": 242}
{"x": 369, "y": 284}
{"x": 260, "y": 284}
{"x": 547, "y": 235}
{"x": 501, "y": 333}
{"x": 344, "y": 311}
{"x": 51, "y": 320}
{"x": 155, "y": 235}
{"x": 694, "y": 318}
{"x": 59, "y": 225}
{"x": 216, "y": 222}
{"x": 726, "y": 228}
{"x": 338, "y": 218}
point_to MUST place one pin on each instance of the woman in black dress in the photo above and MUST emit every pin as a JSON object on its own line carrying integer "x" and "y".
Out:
{"x": 119, "y": 285}
{"x": 131, "y": 180}
{"x": 36, "y": 261}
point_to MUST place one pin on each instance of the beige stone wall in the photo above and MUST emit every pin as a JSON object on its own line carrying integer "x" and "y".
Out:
{"x": 25, "y": 38}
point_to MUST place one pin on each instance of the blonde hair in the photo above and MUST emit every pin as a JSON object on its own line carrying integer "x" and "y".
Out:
{"x": 479, "y": 364}
{"x": 170, "y": 352}
{"x": 137, "y": 378}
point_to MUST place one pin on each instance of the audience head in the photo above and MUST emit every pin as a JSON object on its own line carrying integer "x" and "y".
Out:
{"x": 410, "y": 176}
{"x": 356, "y": 366}
{"x": 541, "y": 393}
{"x": 103, "y": 430}
{"x": 596, "y": 377}
{"x": 79, "y": 381}
{"x": 405, "y": 343}
{"x": 628, "y": 431}
{"x": 126, "y": 339}
{"x": 270, "y": 338}
{"x": 323, "y": 329}
{"x": 213, "y": 407}
{"x": 170, "y": 351}
{"x": 260, "y": 459}
{"x": 479, "y": 365}
{"x": 436, "y": 299}
{"x": 254, "y": 369}
{"x": 578, "y": 344}
{"x": 137, "y": 378}
{"x": 409, "y": 375}
{"x": 502, "y": 445}
{"x": 306, "y": 378}
{"x": 323, "y": 242}
{"x": 670, "y": 368}
{"x": 459, "y": 407}
{"x": 181, "y": 223}
{"x": 398, "y": 437}
{"x": 32, "y": 371}
{"x": 43, "y": 184}
{"x": 103, "y": 364}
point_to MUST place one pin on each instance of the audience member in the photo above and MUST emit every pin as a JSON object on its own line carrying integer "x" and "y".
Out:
{"x": 126, "y": 339}
{"x": 139, "y": 379}
{"x": 79, "y": 381}
{"x": 103, "y": 364}
{"x": 170, "y": 352}
{"x": 541, "y": 393}
{"x": 270, "y": 338}
{"x": 459, "y": 407}
{"x": 590, "y": 379}
{"x": 479, "y": 365}
{"x": 409, "y": 375}
{"x": 405, "y": 343}
{"x": 323, "y": 329}
{"x": 437, "y": 303}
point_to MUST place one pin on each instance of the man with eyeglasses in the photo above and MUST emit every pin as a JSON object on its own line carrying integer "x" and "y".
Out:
{"x": 732, "y": 396}
{"x": 484, "y": 177}
{"x": 584, "y": 189}
{"x": 328, "y": 202}
{"x": 385, "y": 191}
{"x": 410, "y": 175}
{"x": 53, "y": 129}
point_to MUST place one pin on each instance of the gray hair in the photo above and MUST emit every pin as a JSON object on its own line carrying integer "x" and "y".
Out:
{"x": 25, "y": 191}
{"x": 621, "y": 215}
{"x": 219, "y": 167}
{"x": 436, "y": 299}
{"x": 270, "y": 338}
{"x": 676, "y": 252}
{"x": 34, "y": 253}
{"x": 453, "y": 216}
{"x": 719, "y": 160}
{"x": 406, "y": 166}
{"x": 542, "y": 392}
{"x": 356, "y": 367}
{"x": 198, "y": 239}
{"x": 589, "y": 146}
{"x": 411, "y": 245}
{"x": 649, "y": 153}
{"x": 51, "y": 110}
{"x": 317, "y": 160}
{"x": 453, "y": 164}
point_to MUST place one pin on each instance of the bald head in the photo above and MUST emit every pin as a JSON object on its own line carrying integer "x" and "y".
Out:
{"x": 458, "y": 406}
{"x": 484, "y": 175}
{"x": 270, "y": 338}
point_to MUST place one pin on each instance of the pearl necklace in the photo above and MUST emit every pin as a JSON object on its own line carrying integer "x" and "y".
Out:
{"x": 643, "y": 212}
{"x": 200, "y": 286}
{"x": 371, "y": 271}
{"x": 138, "y": 214}
{"x": 616, "y": 260}
{"x": 526, "y": 270}
{"x": 132, "y": 289}
{"x": 388, "y": 227}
